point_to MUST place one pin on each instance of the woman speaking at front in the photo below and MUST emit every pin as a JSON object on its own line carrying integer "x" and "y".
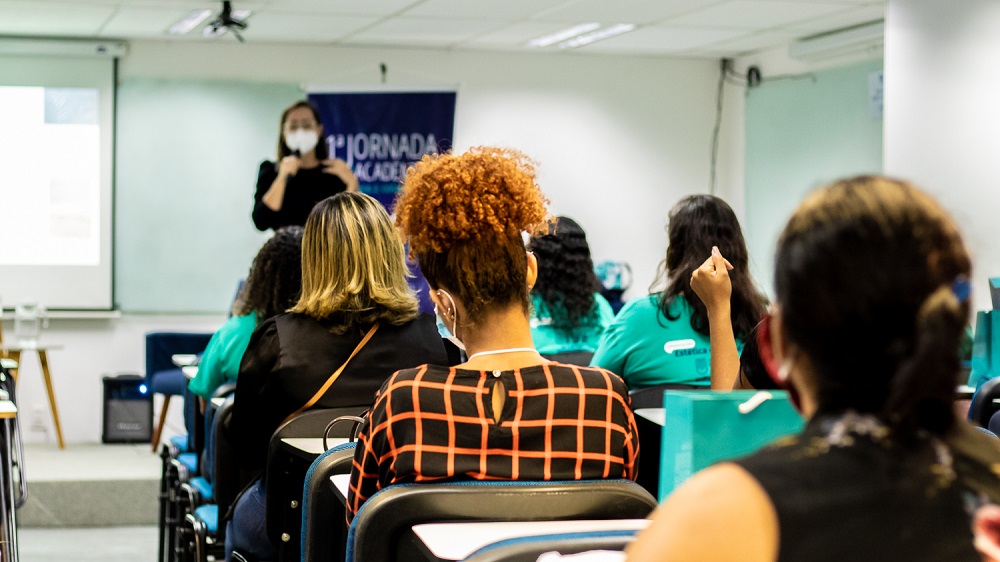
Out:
{"x": 303, "y": 175}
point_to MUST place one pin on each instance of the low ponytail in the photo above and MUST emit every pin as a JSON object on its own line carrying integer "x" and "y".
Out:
{"x": 920, "y": 396}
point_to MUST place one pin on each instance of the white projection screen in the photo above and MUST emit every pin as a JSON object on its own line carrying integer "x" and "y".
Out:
{"x": 56, "y": 130}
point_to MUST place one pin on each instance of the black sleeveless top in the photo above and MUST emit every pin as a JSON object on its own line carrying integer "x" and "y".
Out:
{"x": 844, "y": 490}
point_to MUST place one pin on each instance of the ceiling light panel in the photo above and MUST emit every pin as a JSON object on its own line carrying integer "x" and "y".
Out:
{"x": 597, "y": 35}
{"x": 515, "y": 35}
{"x": 563, "y": 35}
{"x": 183, "y": 26}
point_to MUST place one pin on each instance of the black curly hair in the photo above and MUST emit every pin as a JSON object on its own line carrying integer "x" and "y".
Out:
{"x": 275, "y": 279}
{"x": 696, "y": 223}
{"x": 566, "y": 280}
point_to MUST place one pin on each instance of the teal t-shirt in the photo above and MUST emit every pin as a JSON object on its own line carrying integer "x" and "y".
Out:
{"x": 548, "y": 340}
{"x": 221, "y": 361}
{"x": 645, "y": 348}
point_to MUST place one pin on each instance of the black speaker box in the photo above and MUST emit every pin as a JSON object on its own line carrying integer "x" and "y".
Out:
{"x": 128, "y": 410}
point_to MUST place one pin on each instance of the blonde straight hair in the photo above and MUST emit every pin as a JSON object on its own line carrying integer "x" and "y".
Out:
{"x": 353, "y": 266}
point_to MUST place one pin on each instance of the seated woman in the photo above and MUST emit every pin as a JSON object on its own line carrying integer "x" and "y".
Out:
{"x": 353, "y": 288}
{"x": 663, "y": 338}
{"x": 507, "y": 413}
{"x": 872, "y": 284}
{"x": 568, "y": 312}
{"x": 272, "y": 287}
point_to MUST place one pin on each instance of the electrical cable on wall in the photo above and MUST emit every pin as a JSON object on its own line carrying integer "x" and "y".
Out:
{"x": 723, "y": 72}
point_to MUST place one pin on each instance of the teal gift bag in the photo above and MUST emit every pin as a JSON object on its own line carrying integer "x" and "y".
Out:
{"x": 704, "y": 427}
{"x": 985, "y": 348}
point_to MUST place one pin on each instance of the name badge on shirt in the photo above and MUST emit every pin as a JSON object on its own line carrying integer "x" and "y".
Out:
{"x": 678, "y": 345}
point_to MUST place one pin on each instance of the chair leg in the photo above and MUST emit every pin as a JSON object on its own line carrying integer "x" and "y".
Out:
{"x": 164, "y": 488}
{"x": 159, "y": 424}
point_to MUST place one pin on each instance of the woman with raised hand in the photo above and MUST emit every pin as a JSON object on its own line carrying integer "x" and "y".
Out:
{"x": 302, "y": 175}
{"x": 568, "y": 312}
{"x": 272, "y": 287}
{"x": 663, "y": 338}
{"x": 871, "y": 282}
{"x": 463, "y": 216}
{"x": 355, "y": 302}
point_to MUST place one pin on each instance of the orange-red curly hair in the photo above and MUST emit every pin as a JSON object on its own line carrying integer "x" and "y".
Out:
{"x": 463, "y": 215}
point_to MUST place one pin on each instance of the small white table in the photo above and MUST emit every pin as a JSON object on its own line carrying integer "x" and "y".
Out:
{"x": 183, "y": 359}
{"x": 341, "y": 484}
{"x": 313, "y": 445}
{"x": 655, "y": 415}
{"x": 14, "y": 353}
{"x": 456, "y": 541}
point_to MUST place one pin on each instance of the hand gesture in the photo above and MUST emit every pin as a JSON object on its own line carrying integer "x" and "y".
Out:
{"x": 339, "y": 168}
{"x": 711, "y": 281}
{"x": 289, "y": 166}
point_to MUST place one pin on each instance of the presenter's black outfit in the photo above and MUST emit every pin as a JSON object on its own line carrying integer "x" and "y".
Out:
{"x": 302, "y": 192}
{"x": 289, "y": 358}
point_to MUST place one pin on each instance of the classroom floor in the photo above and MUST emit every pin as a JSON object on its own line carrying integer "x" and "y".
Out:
{"x": 89, "y": 502}
{"x": 114, "y": 544}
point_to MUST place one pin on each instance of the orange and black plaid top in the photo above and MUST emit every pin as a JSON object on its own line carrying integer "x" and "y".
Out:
{"x": 559, "y": 422}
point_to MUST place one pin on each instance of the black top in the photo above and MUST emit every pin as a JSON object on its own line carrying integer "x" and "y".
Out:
{"x": 844, "y": 490}
{"x": 292, "y": 355}
{"x": 302, "y": 192}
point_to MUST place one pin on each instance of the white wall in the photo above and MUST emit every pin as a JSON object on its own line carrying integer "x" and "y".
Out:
{"x": 619, "y": 141}
{"x": 942, "y": 119}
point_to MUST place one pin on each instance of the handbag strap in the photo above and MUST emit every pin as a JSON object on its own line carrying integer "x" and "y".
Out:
{"x": 333, "y": 378}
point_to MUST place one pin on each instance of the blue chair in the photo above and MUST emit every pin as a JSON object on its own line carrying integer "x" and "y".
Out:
{"x": 982, "y": 407}
{"x": 382, "y": 528}
{"x": 995, "y": 424}
{"x": 162, "y": 376}
{"x": 324, "y": 532}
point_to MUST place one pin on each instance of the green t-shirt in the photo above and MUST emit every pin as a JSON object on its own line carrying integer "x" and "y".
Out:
{"x": 645, "y": 348}
{"x": 221, "y": 361}
{"x": 549, "y": 340}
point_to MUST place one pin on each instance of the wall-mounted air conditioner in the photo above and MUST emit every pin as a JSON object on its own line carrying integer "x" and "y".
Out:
{"x": 861, "y": 40}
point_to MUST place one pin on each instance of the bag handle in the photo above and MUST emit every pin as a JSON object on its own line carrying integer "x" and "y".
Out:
{"x": 336, "y": 374}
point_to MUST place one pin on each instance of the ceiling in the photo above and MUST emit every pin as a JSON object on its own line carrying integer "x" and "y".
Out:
{"x": 688, "y": 28}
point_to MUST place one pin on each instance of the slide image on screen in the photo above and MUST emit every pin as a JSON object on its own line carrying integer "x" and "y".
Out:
{"x": 50, "y": 146}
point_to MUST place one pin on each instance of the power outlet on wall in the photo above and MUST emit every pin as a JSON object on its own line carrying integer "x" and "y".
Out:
{"x": 38, "y": 420}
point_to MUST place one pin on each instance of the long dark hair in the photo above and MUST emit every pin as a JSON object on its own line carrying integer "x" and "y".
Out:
{"x": 275, "y": 277}
{"x": 695, "y": 224}
{"x": 566, "y": 281}
{"x": 869, "y": 276}
{"x": 322, "y": 151}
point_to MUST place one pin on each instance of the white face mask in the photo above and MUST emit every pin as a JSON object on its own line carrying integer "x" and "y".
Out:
{"x": 446, "y": 333}
{"x": 302, "y": 140}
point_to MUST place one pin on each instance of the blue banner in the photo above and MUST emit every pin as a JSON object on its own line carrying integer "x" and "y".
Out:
{"x": 379, "y": 134}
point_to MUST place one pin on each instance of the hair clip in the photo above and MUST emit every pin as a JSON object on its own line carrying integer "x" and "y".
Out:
{"x": 961, "y": 288}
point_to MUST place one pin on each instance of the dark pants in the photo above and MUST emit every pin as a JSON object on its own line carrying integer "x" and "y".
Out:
{"x": 246, "y": 533}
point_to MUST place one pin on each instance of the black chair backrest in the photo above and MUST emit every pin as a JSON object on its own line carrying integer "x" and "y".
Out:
{"x": 982, "y": 407}
{"x": 529, "y": 549}
{"x": 652, "y": 397}
{"x": 324, "y": 532}
{"x": 227, "y": 478}
{"x": 285, "y": 475}
{"x": 581, "y": 358}
{"x": 381, "y": 530}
